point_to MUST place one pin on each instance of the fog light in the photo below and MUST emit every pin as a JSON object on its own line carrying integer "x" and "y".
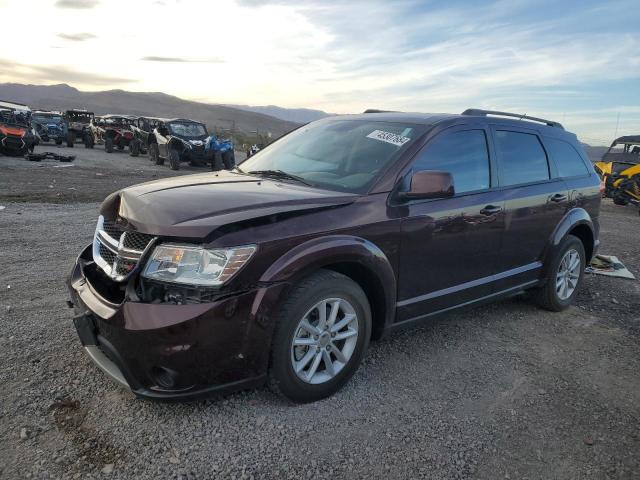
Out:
{"x": 164, "y": 377}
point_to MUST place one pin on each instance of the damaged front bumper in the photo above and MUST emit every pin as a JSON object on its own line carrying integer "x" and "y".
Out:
{"x": 170, "y": 351}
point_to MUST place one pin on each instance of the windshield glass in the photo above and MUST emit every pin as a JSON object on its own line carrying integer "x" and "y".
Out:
{"x": 79, "y": 117}
{"x": 13, "y": 117}
{"x": 47, "y": 118}
{"x": 343, "y": 155}
{"x": 188, "y": 129}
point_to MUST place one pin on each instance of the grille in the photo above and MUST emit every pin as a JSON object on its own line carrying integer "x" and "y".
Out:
{"x": 117, "y": 251}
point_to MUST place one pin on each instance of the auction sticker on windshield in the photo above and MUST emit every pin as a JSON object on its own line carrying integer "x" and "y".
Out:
{"x": 392, "y": 138}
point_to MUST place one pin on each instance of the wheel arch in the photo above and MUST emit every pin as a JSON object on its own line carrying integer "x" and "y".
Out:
{"x": 576, "y": 222}
{"x": 355, "y": 257}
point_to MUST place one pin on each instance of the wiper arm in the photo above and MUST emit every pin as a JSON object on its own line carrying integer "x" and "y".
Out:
{"x": 280, "y": 174}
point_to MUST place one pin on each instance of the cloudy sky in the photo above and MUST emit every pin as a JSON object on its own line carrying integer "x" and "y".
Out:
{"x": 574, "y": 61}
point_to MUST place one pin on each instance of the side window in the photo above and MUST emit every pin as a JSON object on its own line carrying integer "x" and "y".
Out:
{"x": 521, "y": 156}
{"x": 464, "y": 154}
{"x": 566, "y": 158}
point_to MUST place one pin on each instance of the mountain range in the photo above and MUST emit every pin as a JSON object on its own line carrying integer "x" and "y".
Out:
{"x": 63, "y": 97}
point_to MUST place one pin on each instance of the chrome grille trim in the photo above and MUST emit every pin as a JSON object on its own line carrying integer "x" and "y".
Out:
{"x": 122, "y": 260}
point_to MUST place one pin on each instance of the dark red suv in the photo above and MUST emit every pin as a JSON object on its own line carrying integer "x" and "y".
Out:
{"x": 350, "y": 227}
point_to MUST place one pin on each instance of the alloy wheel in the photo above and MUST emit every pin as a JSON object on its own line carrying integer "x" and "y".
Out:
{"x": 324, "y": 340}
{"x": 568, "y": 274}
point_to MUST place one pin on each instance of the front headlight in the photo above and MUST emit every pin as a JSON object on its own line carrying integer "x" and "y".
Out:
{"x": 196, "y": 266}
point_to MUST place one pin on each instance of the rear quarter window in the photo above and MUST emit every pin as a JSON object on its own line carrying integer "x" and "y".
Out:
{"x": 521, "y": 157}
{"x": 565, "y": 156}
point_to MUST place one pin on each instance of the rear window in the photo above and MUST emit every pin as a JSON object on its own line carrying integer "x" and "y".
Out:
{"x": 522, "y": 158}
{"x": 566, "y": 158}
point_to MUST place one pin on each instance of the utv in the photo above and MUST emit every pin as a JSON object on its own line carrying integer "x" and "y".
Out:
{"x": 50, "y": 126}
{"x": 142, "y": 129}
{"x": 112, "y": 130}
{"x": 179, "y": 140}
{"x": 77, "y": 125}
{"x": 621, "y": 162}
{"x": 17, "y": 136}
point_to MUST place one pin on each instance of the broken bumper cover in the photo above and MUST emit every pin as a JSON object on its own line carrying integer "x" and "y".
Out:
{"x": 175, "y": 352}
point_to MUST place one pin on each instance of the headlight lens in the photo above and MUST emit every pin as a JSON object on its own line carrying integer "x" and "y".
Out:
{"x": 196, "y": 266}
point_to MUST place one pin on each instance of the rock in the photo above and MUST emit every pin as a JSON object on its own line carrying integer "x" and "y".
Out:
{"x": 588, "y": 440}
{"x": 24, "y": 434}
{"x": 613, "y": 300}
{"x": 107, "y": 469}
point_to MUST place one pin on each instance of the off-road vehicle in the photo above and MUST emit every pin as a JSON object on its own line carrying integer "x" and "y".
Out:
{"x": 50, "y": 126}
{"x": 17, "y": 136}
{"x": 112, "y": 131}
{"x": 283, "y": 269}
{"x": 620, "y": 165}
{"x": 142, "y": 129}
{"x": 77, "y": 125}
{"x": 179, "y": 140}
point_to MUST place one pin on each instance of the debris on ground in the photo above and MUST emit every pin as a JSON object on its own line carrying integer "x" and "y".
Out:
{"x": 38, "y": 157}
{"x": 609, "y": 265}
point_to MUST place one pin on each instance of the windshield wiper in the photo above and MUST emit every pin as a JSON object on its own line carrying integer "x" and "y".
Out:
{"x": 279, "y": 174}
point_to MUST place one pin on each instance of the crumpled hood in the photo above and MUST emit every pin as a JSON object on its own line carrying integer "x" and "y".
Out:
{"x": 193, "y": 206}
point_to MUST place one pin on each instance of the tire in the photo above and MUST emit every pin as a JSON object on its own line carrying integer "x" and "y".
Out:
{"x": 154, "y": 154}
{"x": 71, "y": 139}
{"x": 617, "y": 200}
{"x": 302, "y": 302}
{"x": 88, "y": 141}
{"x": 174, "y": 159}
{"x": 228, "y": 158}
{"x": 134, "y": 148}
{"x": 121, "y": 144}
{"x": 58, "y": 141}
{"x": 548, "y": 296}
{"x": 108, "y": 145}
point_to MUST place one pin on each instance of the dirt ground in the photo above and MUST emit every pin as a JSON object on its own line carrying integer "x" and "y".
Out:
{"x": 500, "y": 391}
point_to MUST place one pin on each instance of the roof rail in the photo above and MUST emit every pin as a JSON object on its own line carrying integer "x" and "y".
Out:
{"x": 375, "y": 110}
{"x": 484, "y": 113}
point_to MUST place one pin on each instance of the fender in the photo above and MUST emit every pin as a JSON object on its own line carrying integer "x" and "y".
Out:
{"x": 573, "y": 218}
{"x": 322, "y": 252}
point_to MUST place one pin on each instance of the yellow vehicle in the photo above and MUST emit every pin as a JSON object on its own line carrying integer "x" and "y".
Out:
{"x": 620, "y": 170}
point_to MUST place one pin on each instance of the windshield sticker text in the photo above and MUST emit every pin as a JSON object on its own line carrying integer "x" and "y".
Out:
{"x": 392, "y": 138}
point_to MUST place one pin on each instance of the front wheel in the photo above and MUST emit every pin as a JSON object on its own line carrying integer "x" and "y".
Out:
{"x": 88, "y": 141}
{"x": 134, "y": 148}
{"x": 322, "y": 334}
{"x": 108, "y": 145}
{"x": 564, "y": 275}
{"x": 71, "y": 139}
{"x": 174, "y": 159}
{"x": 58, "y": 141}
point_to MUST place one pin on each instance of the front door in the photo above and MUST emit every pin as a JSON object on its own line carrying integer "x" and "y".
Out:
{"x": 450, "y": 246}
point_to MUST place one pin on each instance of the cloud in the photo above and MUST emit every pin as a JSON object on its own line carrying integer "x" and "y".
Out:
{"x": 153, "y": 58}
{"x": 77, "y": 4}
{"x": 76, "y": 37}
{"x": 58, "y": 74}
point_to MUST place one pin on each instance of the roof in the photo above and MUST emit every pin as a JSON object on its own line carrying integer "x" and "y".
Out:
{"x": 114, "y": 115}
{"x": 14, "y": 106}
{"x": 628, "y": 139}
{"x": 169, "y": 120}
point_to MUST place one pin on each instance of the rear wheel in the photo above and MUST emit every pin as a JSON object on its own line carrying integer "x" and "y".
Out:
{"x": 88, "y": 141}
{"x": 563, "y": 276}
{"x": 228, "y": 158}
{"x": 71, "y": 139}
{"x": 618, "y": 200}
{"x": 58, "y": 141}
{"x": 322, "y": 334}
{"x": 108, "y": 145}
{"x": 134, "y": 148}
{"x": 154, "y": 154}
{"x": 174, "y": 159}
{"x": 121, "y": 144}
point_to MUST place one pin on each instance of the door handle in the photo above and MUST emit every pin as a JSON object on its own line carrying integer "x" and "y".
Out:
{"x": 558, "y": 197}
{"x": 491, "y": 210}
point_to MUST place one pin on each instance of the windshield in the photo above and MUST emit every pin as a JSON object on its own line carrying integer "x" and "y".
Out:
{"x": 116, "y": 121}
{"x": 79, "y": 117}
{"x": 12, "y": 117}
{"x": 188, "y": 129}
{"x": 47, "y": 118}
{"x": 343, "y": 155}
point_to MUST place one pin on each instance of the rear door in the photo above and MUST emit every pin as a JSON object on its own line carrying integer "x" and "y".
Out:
{"x": 535, "y": 202}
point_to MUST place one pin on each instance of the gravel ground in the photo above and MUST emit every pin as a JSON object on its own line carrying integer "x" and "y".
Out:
{"x": 500, "y": 391}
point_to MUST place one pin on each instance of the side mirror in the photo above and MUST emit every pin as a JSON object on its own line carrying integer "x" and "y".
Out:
{"x": 428, "y": 184}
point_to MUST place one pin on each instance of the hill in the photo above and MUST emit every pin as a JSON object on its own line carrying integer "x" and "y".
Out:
{"x": 62, "y": 97}
{"x": 297, "y": 115}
